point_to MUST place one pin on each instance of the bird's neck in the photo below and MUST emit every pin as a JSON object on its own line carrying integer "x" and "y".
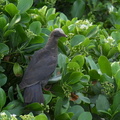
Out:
{"x": 52, "y": 44}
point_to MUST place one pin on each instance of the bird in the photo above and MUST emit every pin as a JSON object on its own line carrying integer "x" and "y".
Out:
{"x": 40, "y": 69}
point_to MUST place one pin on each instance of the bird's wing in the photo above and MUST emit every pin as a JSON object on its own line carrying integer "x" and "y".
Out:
{"x": 39, "y": 69}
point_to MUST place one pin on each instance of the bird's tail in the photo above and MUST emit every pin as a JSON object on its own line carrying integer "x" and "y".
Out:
{"x": 33, "y": 94}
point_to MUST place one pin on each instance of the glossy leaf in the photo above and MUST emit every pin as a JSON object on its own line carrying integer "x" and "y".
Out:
{"x": 78, "y": 8}
{"x": 3, "y": 22}
{"x": 14, "y": 20}
{"x": 20, "y": 94}
{"x": 47, "y": 97}
{"x": 104, "y": 65}
{"x": 117, "y": 78}
{"x": 94, "y": 74}
{"x": 41, "y": 116}
{"x": 91, "y": 62}
{"x": 25, "y": 18}
{"x": 82, "y": 98}
{"x": 3, "y": 79}
{"x": 92, "y": 30}
{"x": 115, "y": 67}
{"x": 74, "y": 78}
{"x": 35, "y": 27}
{"x": 106, "y": 78}
{"x": 77, "y": 39}
{"x": 76, "y": 110}
{"x": 116, "y": 35}
{"x": 62, "y": 59}
{"x": 50, "y": 12}
{"x": 85, "y": 116}
{"x": 58, "y": 107}
{"x": 116, "y": 102}
{"x": 73, "y": 66}
{"x": 17, "y": 70}
{"x": 102, "y": 103}
{"x": 4, "y": 49}
{"x": 79, "y": 59}
{"x": 64, "y": 116}
{"x": 11, "y": 9}
{"x": 23, "y": 6}
{"x": 34, "y": 106}
{"x": 2, "y": 98}
{"x": 37, "y": 39}
{"x": 11, "y": 93}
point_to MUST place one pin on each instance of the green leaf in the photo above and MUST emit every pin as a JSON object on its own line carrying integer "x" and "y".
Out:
{"x": 105, "y": 48}
{"x": 3, "y": 79}
{"x": 116, "y": 116}
{"x": 117, "y": 78}
{"x": 85, "y": 79}
{"x": 14, "y": 20}
{"x": 35, "y": 27}
{"x": 37, "y": 39}
{"x": 116, "y": 102}
{"x": 41, "y": 116}
{"x": 34, "y": 107}
{"x": 11, "y": 9}
{"x": 64, "y": 116}
{"x": 3, "y": 22}
{"x": 104, "y": 65}
{"x": 14, "y": 107}
{"x": 47, "y": 97}
{"x": 79, "y": 59}
{"x": 102, "y": 103}
{"x": 91, "y": 62}
{"x": 50, "y": 12}
{"x": 73, "y": 66}
{"x": 4, "y": 50}
{"x": 61, "y": 46}
{"x": 78, "y": 8}
{"x": 58, "y": 91}
{"x": 92, "y": 30}
{"x": 11, "y": 105}
{"x": 76, "y": 110}
{"x": 74, "y": 78}
{"x": 2, "y": 98}
{"x": 106, "y": 78}
{"x": 116, "y": 35}
{"x": 94, "y": 74}
{"x": 85, "y": 116}
{"x": 11, "y": 93}
{"x": 19, "y": 94}
{"x": 43, "y": 10}
{"x": 63, "y": 17}
{"x": 112, "y": 52}
{"x": 58, "y": 107}
{"x": 23, "y": 6}
{"x": 62, "y": 60}
{"x": 82, "y": 98}
{"x": 8, "y": 32}
{"x": 17, "y": 70}
{"x": 77, "y": 39}
{"x": 1, "y": 69}
{"x": 115, "y": 67}
{"x": 25, "y": 18}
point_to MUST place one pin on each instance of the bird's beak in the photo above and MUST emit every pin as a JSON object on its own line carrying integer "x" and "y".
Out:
{"x": 64, "y": 35}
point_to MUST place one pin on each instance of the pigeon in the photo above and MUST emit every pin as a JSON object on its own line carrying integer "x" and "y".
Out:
{"x": 40, "y": 69}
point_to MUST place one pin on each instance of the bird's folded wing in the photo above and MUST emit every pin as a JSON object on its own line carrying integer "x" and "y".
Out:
{"x": 40, "y": 68}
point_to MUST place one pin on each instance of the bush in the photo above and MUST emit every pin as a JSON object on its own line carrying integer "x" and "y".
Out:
{"x": 85, "y": 84}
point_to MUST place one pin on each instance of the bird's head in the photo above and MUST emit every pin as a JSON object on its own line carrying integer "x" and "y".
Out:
{"x": 58, "y": 32}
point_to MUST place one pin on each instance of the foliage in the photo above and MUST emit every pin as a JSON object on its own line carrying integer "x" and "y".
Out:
{"x": 86, "y": 82}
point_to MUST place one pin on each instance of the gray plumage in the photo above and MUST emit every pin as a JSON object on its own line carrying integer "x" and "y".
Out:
{"x": 40, "y": 68}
